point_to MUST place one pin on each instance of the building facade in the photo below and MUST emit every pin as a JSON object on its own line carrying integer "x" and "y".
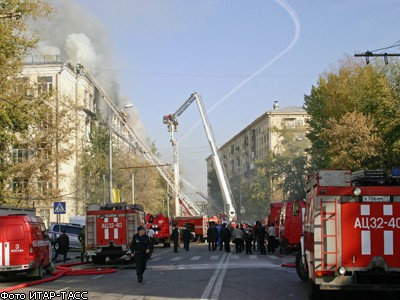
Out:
{"x": 70, "y": 87}
{"x": 253, "y": 143}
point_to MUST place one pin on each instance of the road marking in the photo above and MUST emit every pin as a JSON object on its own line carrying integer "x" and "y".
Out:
{"x": 176, "y": 258}
{"x": 214, "y": 257}
{"x": 253, "y": 256}
{"x": 234, "y": 256}
{"x": 95, "y": 277}
{"x": 272, "y": 256}
{"x": 213, "y": 287}
{"x": 156, "y": 258}
{"x": 195, "y": 258}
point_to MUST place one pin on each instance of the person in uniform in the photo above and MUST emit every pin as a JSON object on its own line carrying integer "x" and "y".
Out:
{"x": 175, "y": 237}
{"x": 63, "y": 246}
{"x": 141, "y": 248}
{"x": 186, "y": 238}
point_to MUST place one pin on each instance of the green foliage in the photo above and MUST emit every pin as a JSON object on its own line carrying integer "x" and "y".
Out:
{"x": 281, "y": 174}
{"x": 362, "y": 100}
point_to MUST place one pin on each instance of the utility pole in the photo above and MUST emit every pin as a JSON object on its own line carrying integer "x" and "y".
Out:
{"x": 369, "y": 54}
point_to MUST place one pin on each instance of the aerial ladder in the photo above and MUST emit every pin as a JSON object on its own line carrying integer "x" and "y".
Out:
{"x": 132, "y": 139}
{"x": 172, "y": 123}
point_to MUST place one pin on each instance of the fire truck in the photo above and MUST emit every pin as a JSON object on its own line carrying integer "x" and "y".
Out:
{"x": 110, "y": 229}
{"x": 351, "y": 232}
{"x": 291, "y": 225}
{"x": 274, "y": 214}
{"x": 197, "y": 225}
{"x": 161, "y": 227}
{"x": 24, "y": 243}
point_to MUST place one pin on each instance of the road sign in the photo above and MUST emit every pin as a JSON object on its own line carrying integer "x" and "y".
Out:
{"x": 59, "y": 207}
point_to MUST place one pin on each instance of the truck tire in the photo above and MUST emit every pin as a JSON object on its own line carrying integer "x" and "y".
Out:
{"x": 314, "y": 292}
{"x": 98, "y": 260}
{"x": 40, "y": 272}
{"x": 301, "y": 268}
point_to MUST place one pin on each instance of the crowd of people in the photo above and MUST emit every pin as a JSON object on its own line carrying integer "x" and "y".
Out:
{"x": 245, "y": 237}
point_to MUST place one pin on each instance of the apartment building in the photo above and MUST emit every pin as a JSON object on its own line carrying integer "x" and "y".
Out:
{"x": 240, "y": 153}
{"x": 73, "y": 88}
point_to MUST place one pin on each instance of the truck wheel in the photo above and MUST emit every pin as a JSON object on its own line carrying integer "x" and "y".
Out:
{"x": 98, "y": 260}
{"x": 39, "y": 272}
{"x": 314, "y": 292}
{"x": 301, "y": 268}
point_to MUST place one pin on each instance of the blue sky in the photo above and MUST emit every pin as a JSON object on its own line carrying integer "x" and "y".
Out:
{"x": 240, "y": 56}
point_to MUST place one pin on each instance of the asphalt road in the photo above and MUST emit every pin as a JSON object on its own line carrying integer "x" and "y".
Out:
{"x": 194, "y": 274}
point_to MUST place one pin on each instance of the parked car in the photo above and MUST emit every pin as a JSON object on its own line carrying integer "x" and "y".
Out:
{"x": 72, "y": 230}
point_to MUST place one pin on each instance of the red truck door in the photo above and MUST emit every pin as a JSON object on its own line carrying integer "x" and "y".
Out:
{"x": 370, "y": 230}
{"x": 111, "y": 229}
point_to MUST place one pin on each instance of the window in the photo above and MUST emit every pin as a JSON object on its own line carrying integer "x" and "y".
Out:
{"x": 22, "y": 86}
{"x": 299, "y": 123}
{"x": 44, "y": 186}
{"x": 45, "y": 84}
{"x": 45, "y": 214}
{"x": 20, "y": 154}
{"x": 15, "y": 232}
{"x": 19, "y": 185}
{"x": 43, "y": 151}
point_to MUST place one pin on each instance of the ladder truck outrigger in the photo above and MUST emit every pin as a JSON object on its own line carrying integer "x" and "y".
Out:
{"x": 351, "y": 235}
{"x": 172, "y": 123}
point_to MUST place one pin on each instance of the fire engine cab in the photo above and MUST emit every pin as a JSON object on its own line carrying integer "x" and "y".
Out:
{"x": 110, "y": 229}
{"x": 161, "y": 227}
{"x": 351, "y": 233}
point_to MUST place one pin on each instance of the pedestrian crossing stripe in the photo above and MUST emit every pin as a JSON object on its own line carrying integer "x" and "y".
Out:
{"x": 59, "y": 208}
{"x": 216, "y": 257}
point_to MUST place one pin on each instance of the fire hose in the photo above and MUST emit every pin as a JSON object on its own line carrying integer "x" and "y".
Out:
{"x": 63, "y": 270}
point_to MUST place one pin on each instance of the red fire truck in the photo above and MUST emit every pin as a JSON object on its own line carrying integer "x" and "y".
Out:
{"x": 110, "y": 229}
{"x": 351, "y": 232}
{"x": 24, "y": 243}
{"x": 161, "y": 227}
{"x": 291, "y": 225}
{"x": 197, "y": 225}
{"x": 274, "y": 214}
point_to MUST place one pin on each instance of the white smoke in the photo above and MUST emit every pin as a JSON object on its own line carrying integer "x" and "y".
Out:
{"x": 80, "y": 49}
{"x": 49, "y": 50}
{"x": 86, "y": 42}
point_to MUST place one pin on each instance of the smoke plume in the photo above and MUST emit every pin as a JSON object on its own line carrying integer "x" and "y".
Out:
{"x": 86, "y": 41}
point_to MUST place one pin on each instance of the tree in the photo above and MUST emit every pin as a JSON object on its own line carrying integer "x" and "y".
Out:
{"x": 290, "y": 161}
{"x": 281, "y": 174}
{"x": 353, "y": 142}
{"x": 149, "y": 186}
{"x": 262, "y": 188}
{"x": 16, "y": 41}
{"x": 370, "y": 91}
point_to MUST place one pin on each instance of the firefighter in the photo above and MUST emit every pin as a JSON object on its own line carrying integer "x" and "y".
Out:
{"x": 175, "y": 237}
{"x": 81, "y": 238}
{"x": 248, "y": 238}
{"x": 141, "y": 248}
{"x": 62, "y": 243}
{"x": 212, "y": 237}
{"x": 260, "y": 237}
{"x": 186, "y": 238}
{"x": 226, "y": 234}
